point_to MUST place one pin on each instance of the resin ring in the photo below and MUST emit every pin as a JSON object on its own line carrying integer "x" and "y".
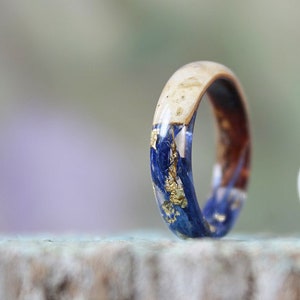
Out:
{"x": 171, "y": 149}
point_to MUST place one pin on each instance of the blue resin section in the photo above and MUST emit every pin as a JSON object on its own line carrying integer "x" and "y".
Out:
{"x": 171, "y": 171}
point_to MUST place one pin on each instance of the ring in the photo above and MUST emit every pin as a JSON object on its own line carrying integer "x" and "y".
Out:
{"x": 171, "y": 150}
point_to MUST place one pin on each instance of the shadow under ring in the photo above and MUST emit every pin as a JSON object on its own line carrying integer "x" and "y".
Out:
{"x": 171, "y": 150}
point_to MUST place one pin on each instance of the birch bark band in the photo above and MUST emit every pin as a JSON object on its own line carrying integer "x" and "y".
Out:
{"x": 171, "y": 149}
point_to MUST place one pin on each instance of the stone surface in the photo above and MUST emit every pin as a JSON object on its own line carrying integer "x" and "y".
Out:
{"x": 149, "y": 268}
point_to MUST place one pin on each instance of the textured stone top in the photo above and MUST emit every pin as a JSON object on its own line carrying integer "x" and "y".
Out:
{"x": 149, "y": 268}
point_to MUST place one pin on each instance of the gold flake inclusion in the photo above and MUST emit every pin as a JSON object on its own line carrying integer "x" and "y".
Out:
{"x": 220, "y": 217}
{"x": 212, "y": 228}
{"x": 173, "y": 185}
{"x": 171, "y": 213}
{"x": 153, "y": 140}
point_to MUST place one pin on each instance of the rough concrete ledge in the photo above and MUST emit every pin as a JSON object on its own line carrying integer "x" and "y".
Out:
{"x": 135, "y": 268}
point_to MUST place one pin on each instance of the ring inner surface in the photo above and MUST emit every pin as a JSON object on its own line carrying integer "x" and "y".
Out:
{"x": 231, "y": 170}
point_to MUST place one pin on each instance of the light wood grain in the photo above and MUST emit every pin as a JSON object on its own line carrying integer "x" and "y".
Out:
{"x": 183, "y": 91}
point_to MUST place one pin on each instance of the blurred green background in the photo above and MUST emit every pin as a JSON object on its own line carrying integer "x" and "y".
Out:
{"x": 79, "y": 82}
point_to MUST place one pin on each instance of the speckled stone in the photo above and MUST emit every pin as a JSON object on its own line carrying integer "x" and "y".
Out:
{"x": 149, "y": 268}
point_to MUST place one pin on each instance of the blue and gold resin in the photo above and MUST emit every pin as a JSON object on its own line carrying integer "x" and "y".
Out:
{"x": 171, "y": 163}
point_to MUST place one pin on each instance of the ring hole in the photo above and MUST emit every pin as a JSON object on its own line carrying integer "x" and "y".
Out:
{"x": 204, "y": 150}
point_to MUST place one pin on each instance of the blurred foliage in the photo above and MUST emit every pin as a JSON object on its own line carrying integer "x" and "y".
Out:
{"x": 109, "y": 60}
